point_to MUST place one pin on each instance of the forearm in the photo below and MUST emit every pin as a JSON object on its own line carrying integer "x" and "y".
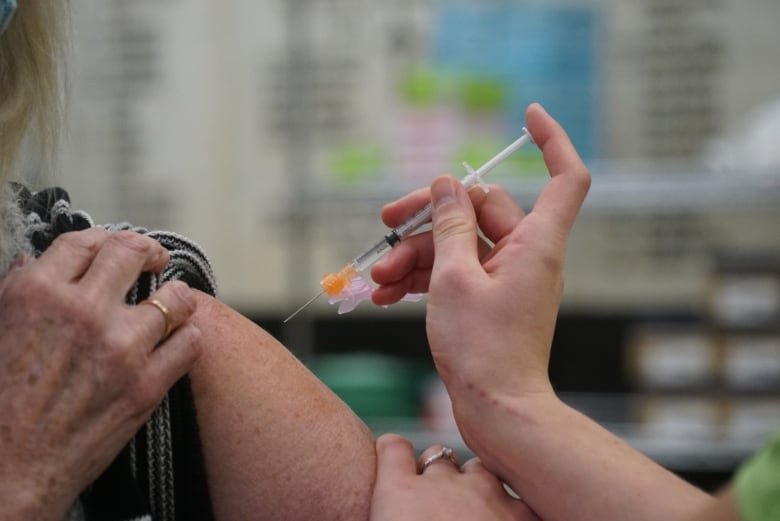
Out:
{"x": 278, "y": 443}
{"x": 568, "y": 468}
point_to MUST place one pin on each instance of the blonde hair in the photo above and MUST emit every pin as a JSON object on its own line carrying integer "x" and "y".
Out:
{"x": 31, "y": 50}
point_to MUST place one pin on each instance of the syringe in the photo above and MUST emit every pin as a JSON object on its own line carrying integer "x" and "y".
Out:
{"x": 334, "y": 283}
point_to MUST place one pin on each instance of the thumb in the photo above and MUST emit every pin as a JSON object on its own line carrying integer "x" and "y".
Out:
{"x": 394, "y": 459}
{"x": 454, "y": 224}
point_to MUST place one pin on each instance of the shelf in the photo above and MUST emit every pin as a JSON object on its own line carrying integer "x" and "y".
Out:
{"x": 681, "y": 190}
{"x": 613, "y": 189}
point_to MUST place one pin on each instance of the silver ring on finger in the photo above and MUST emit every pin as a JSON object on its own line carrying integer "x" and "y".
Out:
{"x": 446, "y": 453}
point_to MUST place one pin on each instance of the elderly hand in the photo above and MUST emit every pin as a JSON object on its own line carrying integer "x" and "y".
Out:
{"x": 80, "y": 370}
{"x": 441, "y": 492}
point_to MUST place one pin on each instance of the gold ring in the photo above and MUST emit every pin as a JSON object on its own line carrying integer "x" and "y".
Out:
{"x": 444, "y": 453}
{"x": 164, "y": 310}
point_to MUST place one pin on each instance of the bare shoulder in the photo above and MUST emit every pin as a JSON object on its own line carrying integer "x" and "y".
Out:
{"x": 227, "y": 334}
{"x": 210, "y": 309}
{"x": 216, "y": 318}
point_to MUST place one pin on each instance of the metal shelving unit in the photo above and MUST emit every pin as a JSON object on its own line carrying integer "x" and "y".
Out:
{"x": 614, "y": 189}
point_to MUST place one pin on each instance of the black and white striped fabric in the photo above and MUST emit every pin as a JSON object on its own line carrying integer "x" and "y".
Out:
{"x": 159, "y": 476}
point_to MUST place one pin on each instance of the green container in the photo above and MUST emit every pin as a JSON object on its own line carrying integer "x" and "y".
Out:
{"x": 373, "y": 385}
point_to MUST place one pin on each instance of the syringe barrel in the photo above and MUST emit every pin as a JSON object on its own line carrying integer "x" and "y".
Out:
{"x": 374, "y": 254}
{"x": 422, "y": 216}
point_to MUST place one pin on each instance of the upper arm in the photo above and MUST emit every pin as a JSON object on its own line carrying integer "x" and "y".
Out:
{"x": 278, "y": 444}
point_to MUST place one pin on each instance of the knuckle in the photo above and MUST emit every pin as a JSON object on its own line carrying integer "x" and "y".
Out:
{"x": 84, "y": 242}
{"x": 188, "y": 347}
{"x": 31, "y": 287}
{"x": 49, "y": 309}
{"x": 88, "y": 323}
{"x": 583, "y": 179}
{"x": 119, "y": 351}
{"x": 451, "y": 225}
{"x": 193, "y": 338}
{"x": 132, "y": 241}
{"x": 183, "y": 295}
{"x": 84, "y": 238}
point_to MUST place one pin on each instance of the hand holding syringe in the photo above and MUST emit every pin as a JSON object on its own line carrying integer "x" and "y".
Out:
{"x": 336, "y": 283}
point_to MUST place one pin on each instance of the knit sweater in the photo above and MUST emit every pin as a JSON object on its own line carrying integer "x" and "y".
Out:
{"x": 159, "y": 475}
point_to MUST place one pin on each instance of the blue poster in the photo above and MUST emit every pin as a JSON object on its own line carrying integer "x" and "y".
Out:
{"x": 540, "y": 52}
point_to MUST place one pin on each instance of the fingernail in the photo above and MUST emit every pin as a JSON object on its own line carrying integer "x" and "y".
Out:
{"x": 442, "y": 192}
{"x": 537, "y": 106}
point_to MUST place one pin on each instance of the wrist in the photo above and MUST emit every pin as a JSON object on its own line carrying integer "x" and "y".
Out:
{"x": 492, "y": 422}
{"x": 486, "y": 391}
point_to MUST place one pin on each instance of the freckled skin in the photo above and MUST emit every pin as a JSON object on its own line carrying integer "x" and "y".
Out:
{"x": 74, "y": 377}
{"x": 270, "y": 429}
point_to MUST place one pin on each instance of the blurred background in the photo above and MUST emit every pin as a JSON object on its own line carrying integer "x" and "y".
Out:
{"x": 273, "y": 131}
